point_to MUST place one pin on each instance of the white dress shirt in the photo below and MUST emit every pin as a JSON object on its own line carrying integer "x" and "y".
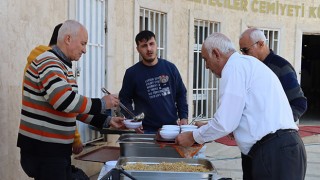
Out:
{"x": 252, "y": 104}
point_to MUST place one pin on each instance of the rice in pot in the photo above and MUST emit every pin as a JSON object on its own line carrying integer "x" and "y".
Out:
{"x": 164, "y": 166}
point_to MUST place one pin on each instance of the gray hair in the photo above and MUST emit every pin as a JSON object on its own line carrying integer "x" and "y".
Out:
{"x": 220, "y": 41}
{"x": 69, "y": 27}
{"x": 256, "y": 35}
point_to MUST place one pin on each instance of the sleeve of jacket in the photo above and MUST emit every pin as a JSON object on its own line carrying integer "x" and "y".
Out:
{"x": 126, "y": 93}
{"x": 77, "y": 138}
{"x": 295, "y": 95}
{"x": 94, "y": 120}
{"x": 181, "y": 96}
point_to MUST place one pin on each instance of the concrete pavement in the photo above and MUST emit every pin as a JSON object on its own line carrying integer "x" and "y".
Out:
{"x": 227, "y": 159}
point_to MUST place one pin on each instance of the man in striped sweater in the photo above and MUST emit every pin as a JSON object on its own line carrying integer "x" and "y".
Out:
{"x": 51, "y": 106}
{"x": 77, "y": 145}
{"x": 253, "y": 42}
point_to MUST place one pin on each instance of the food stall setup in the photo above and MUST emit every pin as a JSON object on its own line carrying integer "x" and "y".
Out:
{"x": 141, "y": 156}
{"x": 151, "y": 156}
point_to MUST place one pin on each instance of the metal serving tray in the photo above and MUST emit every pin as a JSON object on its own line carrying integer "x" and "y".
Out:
{"x": 167, "y": 175}
{"x": 137, "y": 138}
{"x": 144, "y": 145}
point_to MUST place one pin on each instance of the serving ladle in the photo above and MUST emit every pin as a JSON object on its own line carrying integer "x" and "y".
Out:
{"x": 136, "y": 118}
{"x": 196, "y": 118}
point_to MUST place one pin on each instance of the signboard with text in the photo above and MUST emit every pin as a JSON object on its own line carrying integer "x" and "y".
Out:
{"x": 266, "y": 7}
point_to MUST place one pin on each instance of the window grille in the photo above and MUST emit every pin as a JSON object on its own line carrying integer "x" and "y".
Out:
{"x": 90, "y": 70}
{"x": 272, "y": 39}
{"x": 156, "y": 22}
{"x": 205, "y": 84}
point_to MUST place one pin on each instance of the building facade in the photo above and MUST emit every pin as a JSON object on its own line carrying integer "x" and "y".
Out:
{"x": 292, "y": 28}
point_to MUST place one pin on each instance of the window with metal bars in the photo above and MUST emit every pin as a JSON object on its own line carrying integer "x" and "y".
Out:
{"x": 205, "y": 84}
{"x": 156, "y": 22}
{"x": 272, "y": 39}
{"x": 91, "y": 14}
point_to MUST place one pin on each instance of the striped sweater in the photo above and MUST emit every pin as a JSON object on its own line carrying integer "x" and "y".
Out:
{"x": 35, "y": 53}
{"x": 51, "y": 105}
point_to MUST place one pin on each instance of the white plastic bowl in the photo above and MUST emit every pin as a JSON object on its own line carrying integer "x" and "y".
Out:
{"x": 171, "y": 127}
{"x": 189, "y": 127}
{"x": 187, "y": 130}
{"x": 169, "y": 134}
{"x": 132, "y": 125}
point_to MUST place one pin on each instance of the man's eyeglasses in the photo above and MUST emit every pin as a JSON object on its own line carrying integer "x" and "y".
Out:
{"x": 246, "y": 50}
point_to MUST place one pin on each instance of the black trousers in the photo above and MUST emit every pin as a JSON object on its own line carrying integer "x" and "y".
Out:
{"x": 277, "y": 156}
{"x": 46, "y": 168}
{"x": 246, "y": 167}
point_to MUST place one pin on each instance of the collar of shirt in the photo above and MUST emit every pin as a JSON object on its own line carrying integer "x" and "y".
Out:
{"x": 62, "y": 56}
{"x": 268, "y": 58}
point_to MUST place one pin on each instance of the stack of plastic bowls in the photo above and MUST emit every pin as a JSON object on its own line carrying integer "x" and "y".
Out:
{"x": 169, "y": 131}
{"x": 186, "y": 128}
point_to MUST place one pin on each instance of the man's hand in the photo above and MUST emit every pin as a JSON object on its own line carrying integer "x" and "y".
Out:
{"x": 183, "y": 122}
{"x": 139, "y": 130}
{"x": 185, "y": 139}
{"x": 111, "y": 101}
{"x": 231, "y": 136}
{"x": 200, "y": 123}
{"x": 117, "y": 122}
{"x": 77, "y": 148}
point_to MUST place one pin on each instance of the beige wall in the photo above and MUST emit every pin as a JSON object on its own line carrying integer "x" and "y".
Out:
{"x": 25, "y": 24}
{"x": 288, "y": 18}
